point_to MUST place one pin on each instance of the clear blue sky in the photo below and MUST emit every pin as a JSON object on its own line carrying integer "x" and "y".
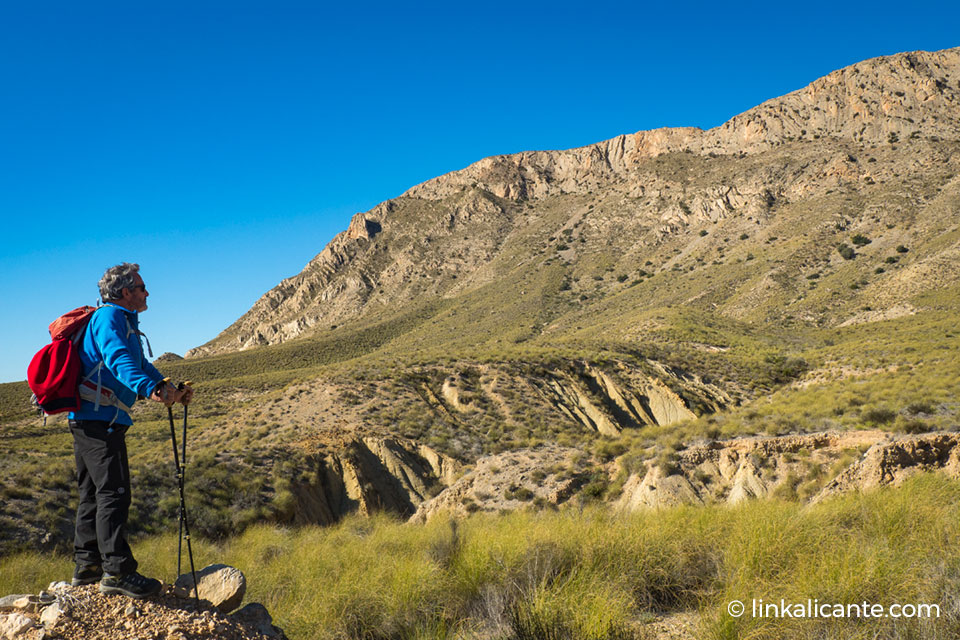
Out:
{"x": 222, "y": 144}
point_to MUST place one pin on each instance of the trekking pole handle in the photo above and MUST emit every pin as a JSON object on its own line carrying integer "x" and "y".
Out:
{"x": 161, "y": 388}
{"x": 184, "y": 387}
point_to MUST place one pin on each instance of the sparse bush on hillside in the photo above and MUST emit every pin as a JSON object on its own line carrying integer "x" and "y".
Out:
{"x": 919, "y": 407}
{"x": 607, "y": 449}
{"x": 911, "y": 425}
{"x": 783, "y": 369}
{"x": 878, "y": 416}
{"x": 846, "y": 251}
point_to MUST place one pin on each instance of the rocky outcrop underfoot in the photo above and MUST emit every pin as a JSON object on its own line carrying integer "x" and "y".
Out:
{"x": 83, "y": 613}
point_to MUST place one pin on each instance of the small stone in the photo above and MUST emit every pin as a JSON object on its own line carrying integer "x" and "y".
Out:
{"x": 14, "y": 624}
{"x": 27, "y": 604}
{"x": 8, "y": 603}
{"x": 131, "y": 611}
{"x": 51, "y": 615}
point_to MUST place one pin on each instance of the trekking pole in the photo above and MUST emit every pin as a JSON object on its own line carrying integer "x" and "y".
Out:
{"x": 184, "y": 526}
{"x": 183, "y": 506}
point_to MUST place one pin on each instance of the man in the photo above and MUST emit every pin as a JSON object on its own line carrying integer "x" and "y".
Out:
{"x": 115, "y": 374}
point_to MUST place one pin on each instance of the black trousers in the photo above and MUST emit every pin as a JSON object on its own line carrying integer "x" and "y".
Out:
{"x": 103, "y": 480}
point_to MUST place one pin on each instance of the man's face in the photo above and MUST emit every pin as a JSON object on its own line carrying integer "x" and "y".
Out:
{"x": 135, "y": 299}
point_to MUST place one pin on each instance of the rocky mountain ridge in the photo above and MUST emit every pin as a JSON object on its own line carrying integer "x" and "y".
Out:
{"x": 451, "y": 234}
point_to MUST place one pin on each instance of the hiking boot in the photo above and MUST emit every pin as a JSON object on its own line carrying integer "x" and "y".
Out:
{"x": 133, "y": 585}
{"x": 87, "y": 574}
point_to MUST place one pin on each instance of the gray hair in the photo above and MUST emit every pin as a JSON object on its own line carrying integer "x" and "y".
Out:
{"x": 115, "y": 279}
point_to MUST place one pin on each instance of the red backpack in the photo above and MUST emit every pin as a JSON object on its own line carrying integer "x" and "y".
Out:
{"x": 54, "y": 372}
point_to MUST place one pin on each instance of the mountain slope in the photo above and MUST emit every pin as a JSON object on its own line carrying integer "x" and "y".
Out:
{"x": 756, "y": 206}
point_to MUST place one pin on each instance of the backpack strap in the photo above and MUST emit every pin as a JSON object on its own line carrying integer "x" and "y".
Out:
{"x": 99, "y": 388}
{"x": 100, "y": 395}
{"x": 140, "y": 334}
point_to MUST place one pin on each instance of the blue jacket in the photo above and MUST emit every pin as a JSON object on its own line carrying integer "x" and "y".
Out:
{"x": 111, "y": 354}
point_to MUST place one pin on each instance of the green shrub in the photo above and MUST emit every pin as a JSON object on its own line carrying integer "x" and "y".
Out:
{"x": 878, "y": 416}
{"x": 911, "y": 425}
{"x": 920, "y": 407}
{"x": 846, "y": 251}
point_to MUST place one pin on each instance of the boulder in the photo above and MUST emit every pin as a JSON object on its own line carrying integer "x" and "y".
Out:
{"x": 221, "y": 585}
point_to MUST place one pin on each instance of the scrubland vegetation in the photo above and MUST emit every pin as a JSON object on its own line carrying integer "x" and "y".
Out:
{"x": 591, "y": 573}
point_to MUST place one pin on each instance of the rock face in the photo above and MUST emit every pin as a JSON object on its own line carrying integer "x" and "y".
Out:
{"x": 369, "y": 475}
{"x": 907, "y": 94}
{"x": 544, "y": 476}
{"x": 448, "y": 235}
{"x": 890, "y": 463}
{"x": 806, "y": 466}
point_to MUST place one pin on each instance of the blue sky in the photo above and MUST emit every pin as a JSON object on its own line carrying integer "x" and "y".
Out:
{"x": 222, "y": 144}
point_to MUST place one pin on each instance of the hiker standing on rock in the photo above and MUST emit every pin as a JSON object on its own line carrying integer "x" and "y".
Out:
{"x": 115, "y": 374}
